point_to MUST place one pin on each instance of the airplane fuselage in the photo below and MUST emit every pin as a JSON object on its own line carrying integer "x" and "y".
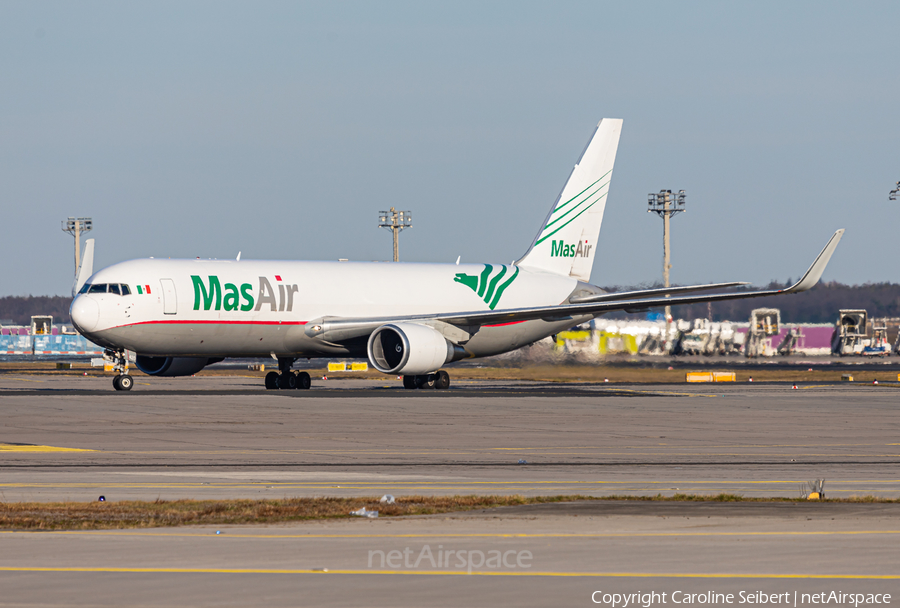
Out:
{"x": 217, "y": 308}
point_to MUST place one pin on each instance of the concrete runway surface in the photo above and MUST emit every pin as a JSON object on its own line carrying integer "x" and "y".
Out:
{"x": 66, "y": 438}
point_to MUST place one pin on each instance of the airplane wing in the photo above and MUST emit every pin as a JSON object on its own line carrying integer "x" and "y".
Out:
{"x": 646, "y": 293}
{"x": 337, "y": 329}
{"x": 637, "y": 304}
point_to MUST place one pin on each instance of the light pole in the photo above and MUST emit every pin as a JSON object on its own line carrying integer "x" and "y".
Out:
{"x": 76, "y": 227}
{"x": 666, "y": 204}
{"x": 395, "y": 221}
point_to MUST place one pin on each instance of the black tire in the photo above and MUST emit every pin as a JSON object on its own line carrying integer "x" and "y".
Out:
{"x": 303, "y": 381}
{"x": 272, "y": 381}
{"x": 409, "y": 382}
{"x": 126, "y": 382}
{"x": 116, "y": 383}
{"x": 287, "y": 380}
{"x": 441, "y": 380}
{"x": 425, "y": 381}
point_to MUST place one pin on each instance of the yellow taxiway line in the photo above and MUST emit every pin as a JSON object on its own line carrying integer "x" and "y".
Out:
{"x": 8, "y": 447}
{"x": 525, "y": 535}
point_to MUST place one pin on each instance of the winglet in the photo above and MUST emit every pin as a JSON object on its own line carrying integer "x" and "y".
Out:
{"x": 815, "y": 271}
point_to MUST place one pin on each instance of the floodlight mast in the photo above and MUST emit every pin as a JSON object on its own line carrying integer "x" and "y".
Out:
{"x": 395, "y": 221}
{"x": 665, "y": 204}
{"x": 76, "y": 226}
{"x": 893, "y": 195}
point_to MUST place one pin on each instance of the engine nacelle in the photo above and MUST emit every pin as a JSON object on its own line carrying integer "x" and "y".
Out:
{"x": 410, "y": 349}
{"x": 172, "y": 366}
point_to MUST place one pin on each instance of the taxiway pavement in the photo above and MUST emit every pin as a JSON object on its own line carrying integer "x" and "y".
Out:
{"x": 77, "y": 440}
{"x": 74, "y": 440}
{"x": 555, "y": 556}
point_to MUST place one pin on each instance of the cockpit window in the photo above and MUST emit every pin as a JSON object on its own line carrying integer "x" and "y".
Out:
{"x": 117, "y": 288}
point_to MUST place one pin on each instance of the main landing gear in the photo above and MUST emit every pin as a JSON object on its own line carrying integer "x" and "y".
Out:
{"x": 122, "y": 381}
{"x": 439, "y": 379}
{"x": 286, "y": 379}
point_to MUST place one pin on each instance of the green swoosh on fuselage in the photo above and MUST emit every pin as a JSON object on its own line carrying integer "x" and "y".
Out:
{"x": 480, "y": 283}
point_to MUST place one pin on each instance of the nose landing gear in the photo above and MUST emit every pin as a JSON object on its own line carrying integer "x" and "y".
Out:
{"x": 121, "y": 382}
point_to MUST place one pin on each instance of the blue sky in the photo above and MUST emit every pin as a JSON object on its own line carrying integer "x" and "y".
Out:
{"x": 280, "y": 129}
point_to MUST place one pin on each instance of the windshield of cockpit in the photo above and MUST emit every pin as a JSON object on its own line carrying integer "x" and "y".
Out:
{"x": 120, "y": 289}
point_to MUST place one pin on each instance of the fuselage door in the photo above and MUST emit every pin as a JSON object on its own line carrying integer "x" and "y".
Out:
{"x": 170, "y": 301}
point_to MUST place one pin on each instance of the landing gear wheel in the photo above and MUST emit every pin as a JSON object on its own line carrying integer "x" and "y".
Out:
{"x": 409, "y": 382}
{"x": 303, "y": 381}
{"x": 271, "y": 381}
{"x": 441, "y": 380}
{"x": 425, "y": 381}
{"x": 123, "y": 382}
{"x": 287, "y": 380}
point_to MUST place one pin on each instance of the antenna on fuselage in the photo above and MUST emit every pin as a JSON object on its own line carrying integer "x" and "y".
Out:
{"x": 238, "y": 259}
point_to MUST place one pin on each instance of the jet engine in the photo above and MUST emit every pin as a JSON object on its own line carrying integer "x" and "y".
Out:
{"x": 410, "y": 349}
{"x": 172, "y": 366}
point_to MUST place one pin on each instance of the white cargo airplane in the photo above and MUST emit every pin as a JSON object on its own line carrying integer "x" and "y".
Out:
{"x": 178, "y": 316}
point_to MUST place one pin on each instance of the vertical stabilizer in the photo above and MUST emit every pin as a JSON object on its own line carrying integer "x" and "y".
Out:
{"x": 567, "y": 240}
{"x": 86, "y": 268}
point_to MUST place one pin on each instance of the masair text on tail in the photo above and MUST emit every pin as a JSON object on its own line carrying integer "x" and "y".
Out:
{"x": 567, "y": 239}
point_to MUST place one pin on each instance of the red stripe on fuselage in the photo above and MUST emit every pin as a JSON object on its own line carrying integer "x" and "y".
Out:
{"x": 226, "y": 322}
{"x": 207, "y": 322}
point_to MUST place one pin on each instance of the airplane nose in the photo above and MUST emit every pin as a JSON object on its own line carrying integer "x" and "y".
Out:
{"x": 85, "y": 313}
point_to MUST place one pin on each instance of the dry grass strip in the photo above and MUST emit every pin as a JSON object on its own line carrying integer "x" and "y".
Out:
{"x": 161, "y": 513}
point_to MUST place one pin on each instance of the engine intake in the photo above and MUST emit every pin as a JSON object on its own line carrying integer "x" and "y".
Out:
{"x": 172, "y": 366}
{"x": 410, "y": 349}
